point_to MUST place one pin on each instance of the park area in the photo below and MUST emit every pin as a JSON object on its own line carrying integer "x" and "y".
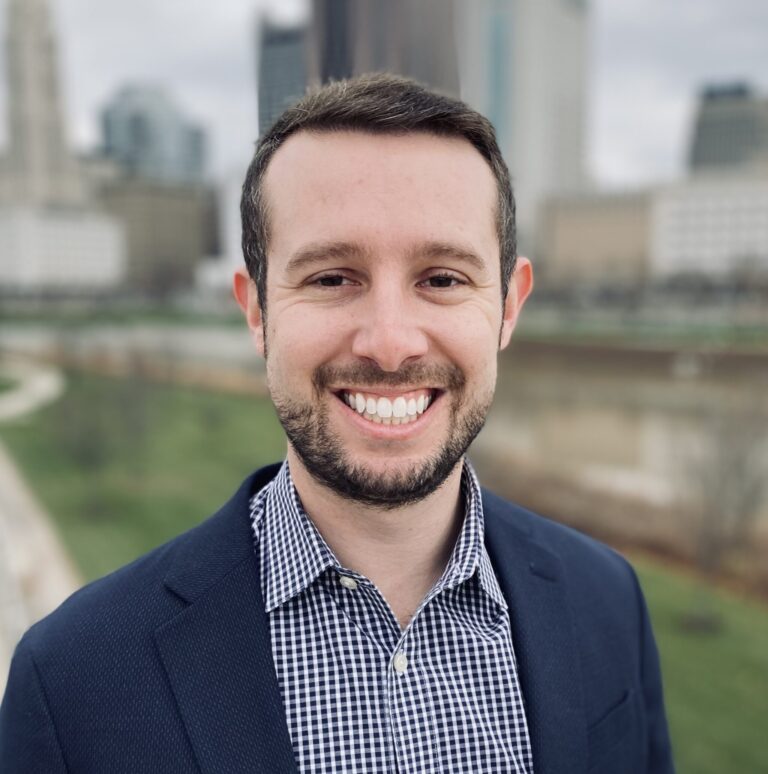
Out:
{"x": 125, "y": 464}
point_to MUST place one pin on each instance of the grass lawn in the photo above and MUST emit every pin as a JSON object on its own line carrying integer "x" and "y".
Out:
{"x": 125, "y": 465}
{"x": 716, "y": 685}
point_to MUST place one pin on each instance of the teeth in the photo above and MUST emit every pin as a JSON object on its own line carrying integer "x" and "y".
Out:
{"x": 385, "y": 411}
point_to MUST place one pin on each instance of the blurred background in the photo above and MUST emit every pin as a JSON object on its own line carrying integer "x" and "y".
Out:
{"x": 632, "y": 404}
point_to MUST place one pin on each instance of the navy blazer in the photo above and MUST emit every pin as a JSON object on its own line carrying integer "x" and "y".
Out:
{"x": 165, "y": 666}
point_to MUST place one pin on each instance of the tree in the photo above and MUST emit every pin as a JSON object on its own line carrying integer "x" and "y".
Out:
{"x": 726, "y": 472}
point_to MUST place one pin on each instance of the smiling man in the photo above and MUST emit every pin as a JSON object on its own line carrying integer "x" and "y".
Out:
{"x": 365, "y": 606}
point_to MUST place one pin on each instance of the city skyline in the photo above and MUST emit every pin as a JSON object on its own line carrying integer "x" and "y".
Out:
{"x": 648, "y": 64}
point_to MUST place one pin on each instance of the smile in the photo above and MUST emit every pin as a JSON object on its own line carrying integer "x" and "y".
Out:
{"x": 380, "y": 409}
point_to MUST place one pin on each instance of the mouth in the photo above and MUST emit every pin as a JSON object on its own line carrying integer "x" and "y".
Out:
{"x": 393, "y": 409}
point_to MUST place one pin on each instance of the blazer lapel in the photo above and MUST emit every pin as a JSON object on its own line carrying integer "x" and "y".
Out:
{"x": 218, "y": 655}
{"x": 531, "y": 579}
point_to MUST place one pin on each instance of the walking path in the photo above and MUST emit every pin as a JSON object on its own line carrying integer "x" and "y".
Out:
{"x": 36, "y": 574}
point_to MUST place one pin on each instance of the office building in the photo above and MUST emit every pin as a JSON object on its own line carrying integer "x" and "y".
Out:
{"x": 150, "y": 138}
{"x": 52, "y": 239}
{"x": 523, "y": 64}
{"x": 730, "y": 131}
{"x": 39, "y": 168}
{"x": 595, "y": 239}
{"x": 282, "y": 75}
{"x": 415, "y": 38}
{"x": 711, "y": 226}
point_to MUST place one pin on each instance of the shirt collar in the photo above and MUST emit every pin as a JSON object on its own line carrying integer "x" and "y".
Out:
{"x": 293, "y": 553}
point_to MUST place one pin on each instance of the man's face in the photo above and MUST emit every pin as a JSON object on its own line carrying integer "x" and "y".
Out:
{"x": 384, "y": 310}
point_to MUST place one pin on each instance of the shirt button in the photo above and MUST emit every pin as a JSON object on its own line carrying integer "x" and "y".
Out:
{"x": 400, "y": 663}
{"x": 348, "y": 583}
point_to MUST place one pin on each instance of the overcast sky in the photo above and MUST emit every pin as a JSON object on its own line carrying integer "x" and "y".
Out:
{"x": 648, "y": 60}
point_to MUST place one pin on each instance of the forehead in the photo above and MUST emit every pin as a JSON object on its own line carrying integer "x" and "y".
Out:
{"x": 360, "y": 185}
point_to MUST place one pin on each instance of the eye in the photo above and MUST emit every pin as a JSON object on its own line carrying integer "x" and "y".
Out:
{"x": 331, "y": 281}
{"x": 442, "y": 280}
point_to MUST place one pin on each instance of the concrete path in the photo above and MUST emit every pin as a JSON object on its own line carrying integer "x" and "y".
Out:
{"x": 36, "y": 574}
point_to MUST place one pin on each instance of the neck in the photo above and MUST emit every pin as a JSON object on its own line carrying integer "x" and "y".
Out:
{"x": 403, "y": 551}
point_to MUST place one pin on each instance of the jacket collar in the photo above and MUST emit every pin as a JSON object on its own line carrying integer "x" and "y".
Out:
{"x": 217, "y": 651}
{"x": 531, "y": 576}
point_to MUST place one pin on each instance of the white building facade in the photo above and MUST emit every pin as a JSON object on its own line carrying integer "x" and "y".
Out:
{"x": 711, "y": 226}
{"x": 59, "y": 251}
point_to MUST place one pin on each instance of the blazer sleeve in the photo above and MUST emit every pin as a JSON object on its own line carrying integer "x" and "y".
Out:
{"x": 659, "y": 752}
{"x": 28, "y": 740}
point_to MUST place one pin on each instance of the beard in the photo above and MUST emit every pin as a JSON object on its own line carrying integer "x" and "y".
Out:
{"x": 323, "y": 455}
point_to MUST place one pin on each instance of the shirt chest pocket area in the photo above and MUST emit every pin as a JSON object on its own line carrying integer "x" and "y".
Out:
{"x": 613, "y": 740}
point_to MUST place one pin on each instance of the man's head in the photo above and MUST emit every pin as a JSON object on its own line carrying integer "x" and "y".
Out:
{"x": 376, "y": 104}
{"x": 385, "y": 273}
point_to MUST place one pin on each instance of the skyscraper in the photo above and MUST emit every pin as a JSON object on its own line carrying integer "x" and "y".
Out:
{"x": 39, "y": 168}
{"x": 282, "y": 68}
{"x": 524, "y": 65}
{"x": 730, "y": 130}
{"x": 51, "y": 240}
{"x": 150, "y": 138}
{"x": 408, "y": 37}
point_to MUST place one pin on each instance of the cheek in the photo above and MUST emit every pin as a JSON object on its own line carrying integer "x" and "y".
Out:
{"x": 472, "y": 338}
{"x": 301, "y": 340}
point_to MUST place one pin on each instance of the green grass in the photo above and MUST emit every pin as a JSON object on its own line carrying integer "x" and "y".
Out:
{"x": 122, "y": 467}
{"x": 6, "y": 384}
{"x": 716, "y": 685}
{"x": 125, "y": 465}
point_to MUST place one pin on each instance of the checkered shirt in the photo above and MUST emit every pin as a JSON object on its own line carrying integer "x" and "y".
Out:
{"x": 363, "y": 695}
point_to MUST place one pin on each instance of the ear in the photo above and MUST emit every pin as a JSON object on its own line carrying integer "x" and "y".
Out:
{"x": 247, "y": 297}
{"x": 520, "y": 287}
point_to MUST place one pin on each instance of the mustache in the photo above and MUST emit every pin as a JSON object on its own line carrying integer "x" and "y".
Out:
{"x": 368, "y": 374}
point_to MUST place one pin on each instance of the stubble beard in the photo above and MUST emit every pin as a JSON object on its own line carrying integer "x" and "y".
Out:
{"x": 325, "y": 459}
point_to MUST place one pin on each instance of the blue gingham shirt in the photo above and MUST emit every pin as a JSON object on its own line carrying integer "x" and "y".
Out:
{"x": 363, "y": 695}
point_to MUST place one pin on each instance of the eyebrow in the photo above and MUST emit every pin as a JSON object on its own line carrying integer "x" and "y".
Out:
{"x": 448, "y": 250}
{"x": 322, "y": 252}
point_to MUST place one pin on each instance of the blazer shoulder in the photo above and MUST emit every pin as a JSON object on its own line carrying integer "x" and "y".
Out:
{"x": 134, "y": 600}
{"x": 584, "y": 559}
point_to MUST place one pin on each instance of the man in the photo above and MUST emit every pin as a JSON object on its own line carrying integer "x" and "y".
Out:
{"x": 364, "y": 607}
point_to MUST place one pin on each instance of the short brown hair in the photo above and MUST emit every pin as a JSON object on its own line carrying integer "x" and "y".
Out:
{"x": 378, "y": 104}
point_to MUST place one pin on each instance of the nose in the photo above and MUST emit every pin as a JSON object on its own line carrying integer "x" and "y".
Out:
{"x": 390, "y": 331}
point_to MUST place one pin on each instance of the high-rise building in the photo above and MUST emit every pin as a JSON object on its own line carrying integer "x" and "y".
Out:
{"x": 730, "y": 130}
{"x": 51, "y": 238}
{"x": 39, "y": 168}
{"x": 282, "y": 68}
{"x": 149, "y": 137}
{"x": 332, "y": 40}
{"x": 523, "y": 64}
{"x": 409, "y": 37}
